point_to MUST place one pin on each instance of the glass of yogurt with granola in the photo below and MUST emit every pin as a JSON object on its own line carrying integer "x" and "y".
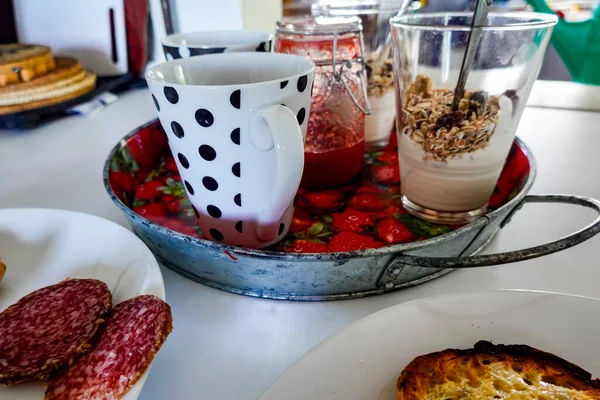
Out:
{"x": 375, "y": 16}
{"x": 450, "y": 159}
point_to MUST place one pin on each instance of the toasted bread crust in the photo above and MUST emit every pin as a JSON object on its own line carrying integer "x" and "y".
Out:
{"x": 465, "y": 369}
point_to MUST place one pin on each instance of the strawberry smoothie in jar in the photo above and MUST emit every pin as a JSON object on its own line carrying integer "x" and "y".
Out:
{"x": 335, "y": 139}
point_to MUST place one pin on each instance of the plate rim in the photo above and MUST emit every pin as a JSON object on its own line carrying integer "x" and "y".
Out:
{"x": 134, "y": 391}
{"x": 79, "y": 214}
{"x": 333, "y": 336}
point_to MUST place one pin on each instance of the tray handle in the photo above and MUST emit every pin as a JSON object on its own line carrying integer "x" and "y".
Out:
{"x": 395, "y": 267}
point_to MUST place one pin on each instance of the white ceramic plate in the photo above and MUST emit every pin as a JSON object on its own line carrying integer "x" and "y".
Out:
{"x": 41, "y": 247}
{"x": 364, "y": 360}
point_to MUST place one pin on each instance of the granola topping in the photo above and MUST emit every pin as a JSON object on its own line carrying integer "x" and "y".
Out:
{"x": 379, "y": 74}
{"x": 442, "y": 133}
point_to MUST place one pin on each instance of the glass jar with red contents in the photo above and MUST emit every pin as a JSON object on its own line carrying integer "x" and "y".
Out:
{"x": 335, "y": 138}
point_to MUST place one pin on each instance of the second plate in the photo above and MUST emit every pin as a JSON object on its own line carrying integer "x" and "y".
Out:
{"x": 364, "y": 360}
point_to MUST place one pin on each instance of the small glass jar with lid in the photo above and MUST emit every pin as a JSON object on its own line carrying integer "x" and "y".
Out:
{"x": 334, "y": 147}
{"x": 374, "y": 15}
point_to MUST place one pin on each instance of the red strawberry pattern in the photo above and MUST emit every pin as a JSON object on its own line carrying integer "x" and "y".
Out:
{"x": 390, "y": 211}
{"x": 307, "y": 246}
{"x": 325, "y": 200}
{"x": 180, "y": 226}
{"x": 170, "y": 165}
{"x": 366, "y": 213}
{"x": 155, "y": 212}
{"x": 392, "y": 231}
{"x": 350, "y": 241}
{"x": 387, "y": 157}
{"x": 302, "y": 221}
{"x": 351, "y": 220}
{"x": 369, "y": 201}
{"x": 150, "y": 190}
{"x": 147, "y": 146}
{"x": 370, "y": 187}
{"x": 386, "y": 174}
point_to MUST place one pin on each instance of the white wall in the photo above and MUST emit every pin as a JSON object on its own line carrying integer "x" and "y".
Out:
{"x": 261, "y": 15}
{"x": 206, "y": 15}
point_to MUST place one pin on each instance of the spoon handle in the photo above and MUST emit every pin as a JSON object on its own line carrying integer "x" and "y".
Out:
{"x": 479, "y": 18}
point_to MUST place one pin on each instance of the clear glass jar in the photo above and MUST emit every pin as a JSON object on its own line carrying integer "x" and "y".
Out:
{"x": 374, "y": 15}
{"x": 334, "y": 147}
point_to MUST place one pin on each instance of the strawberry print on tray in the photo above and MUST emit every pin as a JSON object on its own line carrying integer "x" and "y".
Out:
{"x": 365, "y": 213}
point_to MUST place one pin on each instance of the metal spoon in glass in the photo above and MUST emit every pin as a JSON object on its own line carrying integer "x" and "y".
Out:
{"x": 479, "y": 18}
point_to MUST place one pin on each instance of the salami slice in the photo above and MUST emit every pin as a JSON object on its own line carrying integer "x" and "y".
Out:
{"x": 50, "y": 327}
{"x": 134, "y": 333}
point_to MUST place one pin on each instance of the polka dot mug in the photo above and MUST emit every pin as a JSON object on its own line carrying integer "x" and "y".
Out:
{"x": 236, "y": 124}
{"x": 185, "y": 45}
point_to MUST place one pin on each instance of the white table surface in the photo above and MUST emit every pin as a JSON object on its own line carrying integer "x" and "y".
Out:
{"x": 226, "y": 346}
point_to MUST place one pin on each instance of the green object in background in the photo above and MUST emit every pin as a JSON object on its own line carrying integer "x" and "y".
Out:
{"x": 577, "y": 43}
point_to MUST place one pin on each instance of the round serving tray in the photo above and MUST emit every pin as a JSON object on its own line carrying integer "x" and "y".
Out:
{"x": 282, "y": 272}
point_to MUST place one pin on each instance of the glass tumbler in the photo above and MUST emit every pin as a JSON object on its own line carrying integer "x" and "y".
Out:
{"x": 450, "y": 160}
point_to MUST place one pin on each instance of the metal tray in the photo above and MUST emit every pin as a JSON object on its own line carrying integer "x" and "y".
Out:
{"x": 322, "y": 276}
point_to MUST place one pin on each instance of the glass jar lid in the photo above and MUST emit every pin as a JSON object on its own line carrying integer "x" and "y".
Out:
{"x": 346, "y": 8}
{"x": 361, "y": 7}
{"x": 321, "y": 25}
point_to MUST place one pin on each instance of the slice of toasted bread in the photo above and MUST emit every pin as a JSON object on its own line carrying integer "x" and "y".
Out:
{"x": 495, "y": 372}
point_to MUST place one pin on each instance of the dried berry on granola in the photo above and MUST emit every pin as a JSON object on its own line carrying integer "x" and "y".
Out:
{"x": 441, "y": 132}
{"x": 450, "y": 119}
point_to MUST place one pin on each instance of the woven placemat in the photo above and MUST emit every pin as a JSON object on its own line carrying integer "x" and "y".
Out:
{"x": 85, "y": 84}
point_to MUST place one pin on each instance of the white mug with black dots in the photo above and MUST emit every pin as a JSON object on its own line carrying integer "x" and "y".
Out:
{"x": 236, "y": 124}
{"x": 185, "y": 45}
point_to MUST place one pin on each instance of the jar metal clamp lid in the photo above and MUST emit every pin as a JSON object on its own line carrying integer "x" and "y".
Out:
{"x": 336, "y": 27}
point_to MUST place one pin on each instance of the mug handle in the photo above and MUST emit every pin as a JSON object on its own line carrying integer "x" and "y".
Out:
{"x": 287, "y": 140}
